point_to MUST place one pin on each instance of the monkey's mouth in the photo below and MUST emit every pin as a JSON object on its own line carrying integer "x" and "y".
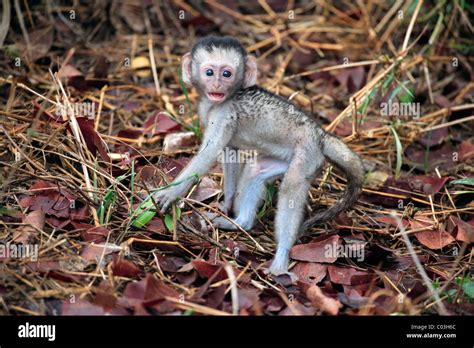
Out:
{"x": 214, "y": 96}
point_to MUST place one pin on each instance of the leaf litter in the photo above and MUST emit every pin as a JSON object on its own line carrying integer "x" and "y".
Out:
{"x": 71, "y": 181}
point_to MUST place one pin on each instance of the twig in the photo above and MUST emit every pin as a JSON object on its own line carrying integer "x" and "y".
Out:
{"x": 5, "y": 21}
{"x": 441, "y": 308}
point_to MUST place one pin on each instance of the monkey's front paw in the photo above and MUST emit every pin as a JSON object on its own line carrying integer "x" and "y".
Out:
{"x": 165, "y": 197}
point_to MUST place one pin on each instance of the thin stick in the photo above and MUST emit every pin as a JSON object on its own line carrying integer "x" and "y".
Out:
{"x": 441, "y": 308}
{"x": 233, "y": 289}
{"x": 196, "y": 307}
{"x": 153, "y": 66}
{"x": 410, "y": 27}
{"x": 448, "y": 124}
{"x": 5, "y": 21}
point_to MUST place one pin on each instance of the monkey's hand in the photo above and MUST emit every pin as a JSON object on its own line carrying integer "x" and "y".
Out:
{"x": 165, "y": 197}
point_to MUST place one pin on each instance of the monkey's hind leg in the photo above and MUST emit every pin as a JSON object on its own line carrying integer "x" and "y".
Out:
{"x": 292, "y": 197}
{"x": 251, "y": 190}
{"x": 231, "y": 175}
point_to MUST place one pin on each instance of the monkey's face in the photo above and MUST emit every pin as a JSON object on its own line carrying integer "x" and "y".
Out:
{"x": 218, "y": 74}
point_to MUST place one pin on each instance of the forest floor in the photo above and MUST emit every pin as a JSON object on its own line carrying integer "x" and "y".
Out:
{"x": 88, "y": 130}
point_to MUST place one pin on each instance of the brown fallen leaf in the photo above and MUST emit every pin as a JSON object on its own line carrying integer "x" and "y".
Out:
{"x": 40, "y": 42}
{"x": 34, "y": 221}
{"x": 105, "y": 296}
{"x": 160, "y": 123}
{"x": 349, "y": 275}
{"x": 206, "y": 189}
{"x": 207, "y": 270}
{"x": 388, "y": 220}
{"x": 297, "y": 308}
{"x": 466, "y": 150}
{"x": 125, "y": 268}
{"x": 68, "y": 71}
{"x": 93, "y": 140}
{"x": 310, "y": 272}
{"x": 81, "y": 307}
{"x": 429, "y": 185}
{"x": 177, "y": 141}
{"x": 322, "y": 302}
{"x": 148, "y": 291}
{"x": 465, "y": 231}
{"x": 94, "y": 251}
{"x": 431, "y": 239}
{"x": 248, "y": 297}
{"x": 324, "y": 250}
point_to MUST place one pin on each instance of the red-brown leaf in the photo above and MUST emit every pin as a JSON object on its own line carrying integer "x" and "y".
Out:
{"x": 322, "y": 302}
{"x": 310, "y": 272}
{"x": 348, "y": 275}
{"x": 160, "y": 123}
{"x": 125, "y": 268}
{"x": 465, "y": 231}
{"x": 206, "y": 189}
{"x": 319, "y": 251}
{"x": 431, "y": 239}
{"x": 81, "y": 307}
{"x": 207, "y": 269}
{"x": 34, "y": 221}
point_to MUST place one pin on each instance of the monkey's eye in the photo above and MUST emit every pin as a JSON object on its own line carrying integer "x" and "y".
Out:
{"x": 227, "y": 73}
{"x": 209, "y": 72}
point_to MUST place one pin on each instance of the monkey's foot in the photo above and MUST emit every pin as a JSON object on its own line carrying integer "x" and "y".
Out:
{"x": 279, "y": 265}
{"x": 225, "y": 207}
{"x": 221, "y": 222}
{"x": 282, "y": 272}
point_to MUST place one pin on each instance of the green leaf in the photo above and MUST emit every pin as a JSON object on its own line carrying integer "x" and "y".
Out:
{"x": 388, "y": 79}
{"x": 100, "y": 212}
{"x": 271, "y": 188}
{"x": 169, "y": 222}
{"x": 31, "y": 133}
{"x": 143, "y": 214}
{"x": 398, "y": 145}
{"x": 468, "y": 288}
{"x": 407, "y": 97}
{"x": 465, "y": 181}
{"x": 8, "y": 212}
{"x": 144, "y": 218}
{"x": 169, "y": 218}
{"x": 148, "y": 204}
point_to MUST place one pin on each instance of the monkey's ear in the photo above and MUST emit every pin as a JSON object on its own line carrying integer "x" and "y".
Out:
{"x": 250, "y": 78}
{"x": 186, "y": 68}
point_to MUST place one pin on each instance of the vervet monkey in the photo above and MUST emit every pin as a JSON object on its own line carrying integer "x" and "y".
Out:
{"x": 239, "y": 115}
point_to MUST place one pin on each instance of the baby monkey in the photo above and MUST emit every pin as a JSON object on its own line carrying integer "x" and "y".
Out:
{"x": 238, "y": 115}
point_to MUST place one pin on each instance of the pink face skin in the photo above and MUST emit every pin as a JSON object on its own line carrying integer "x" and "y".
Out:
{"x": 218, "y": 79}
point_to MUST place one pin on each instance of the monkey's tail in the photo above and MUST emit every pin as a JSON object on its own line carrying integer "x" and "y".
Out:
{"x": 341, "y": 156}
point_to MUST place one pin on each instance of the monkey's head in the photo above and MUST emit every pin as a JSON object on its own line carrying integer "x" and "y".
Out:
{"x": 218, "y": 67}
